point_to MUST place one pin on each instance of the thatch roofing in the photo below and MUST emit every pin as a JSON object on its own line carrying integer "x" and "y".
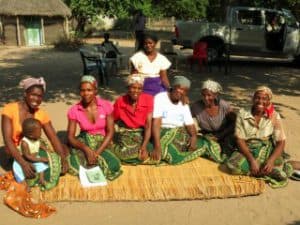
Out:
{"x": 34, "y": 8}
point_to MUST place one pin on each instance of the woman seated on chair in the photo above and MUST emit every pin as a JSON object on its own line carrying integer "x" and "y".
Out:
{"x": 133, "y": 115}
{"x": 152, "y": 66}
{"x": 14, "y": 114}
{"x": 173, "y": 129}
{"x": 95, "y": 119}
{"x": 215, "y": 117}
{"x": 260, "y": 141}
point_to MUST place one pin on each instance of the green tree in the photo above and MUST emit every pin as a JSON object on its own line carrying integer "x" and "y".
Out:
{"x": 82, "y": 11}
{"x": 85, "y": 10}
{"x": 182, "y": 9}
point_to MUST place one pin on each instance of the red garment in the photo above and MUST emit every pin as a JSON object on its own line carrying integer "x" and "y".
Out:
{"x": 133, "y": 119}
{"x": 18, "y": 199}
{"x": 270, "y": 110}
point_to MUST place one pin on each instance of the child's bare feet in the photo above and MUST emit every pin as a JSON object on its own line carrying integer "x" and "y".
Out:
{"x": 28, "y": 189}
{"x": 42, "y": 179}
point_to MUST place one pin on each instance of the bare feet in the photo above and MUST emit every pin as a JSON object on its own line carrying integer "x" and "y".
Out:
{"x": 42, "y": 181}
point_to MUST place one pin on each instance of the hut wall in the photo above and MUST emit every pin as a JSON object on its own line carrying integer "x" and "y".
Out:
{"x": 54, "y": 29}
{"x": 10, "y": 30}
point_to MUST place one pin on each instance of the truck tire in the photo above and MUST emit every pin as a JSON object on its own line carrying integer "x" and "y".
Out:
{"x": 212, "y": 53}
{"x": 296, "y": 61}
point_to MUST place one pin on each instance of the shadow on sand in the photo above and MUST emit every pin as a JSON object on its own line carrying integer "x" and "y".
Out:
{"x": 62, "y": 71}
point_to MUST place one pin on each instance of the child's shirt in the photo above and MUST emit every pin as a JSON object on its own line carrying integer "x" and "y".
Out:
{"x": 34, "y": 146}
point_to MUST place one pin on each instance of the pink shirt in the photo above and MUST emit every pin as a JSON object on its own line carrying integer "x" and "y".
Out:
{"x": 104, "y": 108}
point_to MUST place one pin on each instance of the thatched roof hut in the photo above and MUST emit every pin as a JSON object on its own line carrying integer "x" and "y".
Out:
{"x": 48, "y": 8}
{"x": 21, "y": 18}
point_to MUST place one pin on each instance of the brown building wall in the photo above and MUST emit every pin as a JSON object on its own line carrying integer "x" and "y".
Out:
{"x": 9, "y": 30}
{"x": 54, "y": 29}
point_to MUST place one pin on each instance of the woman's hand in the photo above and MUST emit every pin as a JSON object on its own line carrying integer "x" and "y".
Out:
{"x": 64, "y": 166}
{"x": 91, "y": 157}
{"x": 254, "y": 168}
{"x": 28, "y": 169}
{"x": 268, "y": 167}
{"x": 185, "y": 100}
{"x": 156, "y": 154}
{"x": 193, "y": 143}
{"x": 143, "y": 154}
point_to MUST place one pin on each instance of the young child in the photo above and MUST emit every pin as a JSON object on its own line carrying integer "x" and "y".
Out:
{"x": 111, "y": 50}
{"x": 112, "y": 54}
{"x": 29, "y": 147}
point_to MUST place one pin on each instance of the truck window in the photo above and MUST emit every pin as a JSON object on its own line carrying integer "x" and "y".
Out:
{"x": 253, "y": 17}
{"x": 290, "y": 18}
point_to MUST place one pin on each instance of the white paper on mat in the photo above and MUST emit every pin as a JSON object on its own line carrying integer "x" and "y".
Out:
{"x": 84, "y": 178}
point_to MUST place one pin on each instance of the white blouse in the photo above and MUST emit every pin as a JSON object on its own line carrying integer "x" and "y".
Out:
{"x": 147, "y": 68}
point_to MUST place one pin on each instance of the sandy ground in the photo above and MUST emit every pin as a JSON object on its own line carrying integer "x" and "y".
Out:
{"x": 62, "y": 71}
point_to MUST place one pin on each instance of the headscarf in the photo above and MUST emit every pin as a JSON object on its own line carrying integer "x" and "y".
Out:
{"x": 270, "y": 109}
{"x": 89, "y": 79}
{"x": 212, "y": 86}
{"x": 135, "y": 78}
{"x": 182, "y": 81}
{"x": 264, "y": 89}
{"x": 31, "y": 81}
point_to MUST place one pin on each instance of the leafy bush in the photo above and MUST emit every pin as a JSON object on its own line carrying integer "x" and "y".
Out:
{"x": 69, "y": 44}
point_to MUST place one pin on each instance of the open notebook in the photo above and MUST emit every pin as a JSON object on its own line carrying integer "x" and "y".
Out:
{"x": 91, "y": 177}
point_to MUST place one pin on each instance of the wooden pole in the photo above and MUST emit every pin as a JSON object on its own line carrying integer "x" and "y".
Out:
{"x": 43, "y": 31}
{"x": 18, "y": 32}
{"x": 67, "y": 27}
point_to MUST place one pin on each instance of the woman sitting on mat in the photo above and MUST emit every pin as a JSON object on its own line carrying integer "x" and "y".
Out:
{"x": 14, "y": 114}
{"x": 95, "y": 119}
{"x": 260, "y": 141}
{"x": 133, "y": 115}
{"x": 215, "y": 117}
{"x": 152, "y": 66}
{"x": 173, "y": 130}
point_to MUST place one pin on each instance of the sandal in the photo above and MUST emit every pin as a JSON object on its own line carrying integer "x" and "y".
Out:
{"x": 296, "y": 175}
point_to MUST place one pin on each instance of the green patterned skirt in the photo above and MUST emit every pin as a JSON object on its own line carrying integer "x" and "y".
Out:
{"x": 51, "y": 175}
{"x": 108, "y": 162}
{"x": 127, "y": 143}
{"x": 174, "y": 145}
{"x": 261, "y": 150}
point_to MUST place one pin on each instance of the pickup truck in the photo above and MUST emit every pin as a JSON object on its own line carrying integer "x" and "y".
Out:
{"x": 247, "y": 31}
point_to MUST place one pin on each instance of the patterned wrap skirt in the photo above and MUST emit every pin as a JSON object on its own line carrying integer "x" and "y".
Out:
{"x": 51, "y": 174}
{"x": 174, "y": 145}
{"x": 127, "y": 143}
{"x": 261, "y": 151}
{"x": 107, "y": 161}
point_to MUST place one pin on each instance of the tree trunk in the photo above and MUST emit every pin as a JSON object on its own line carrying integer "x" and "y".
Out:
{"x": 81, "y": 21}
